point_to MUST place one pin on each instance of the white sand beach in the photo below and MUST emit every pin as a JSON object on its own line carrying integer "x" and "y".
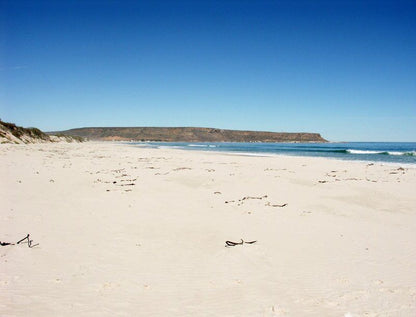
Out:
{"x": 128, "y": 231}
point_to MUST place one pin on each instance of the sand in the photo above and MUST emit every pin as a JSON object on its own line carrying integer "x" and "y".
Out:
{"x": 127, "y": 231}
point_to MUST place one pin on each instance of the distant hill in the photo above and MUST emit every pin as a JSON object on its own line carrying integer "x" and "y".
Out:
{"x": 190, "y": 135}
{"x": 11, "y": 133}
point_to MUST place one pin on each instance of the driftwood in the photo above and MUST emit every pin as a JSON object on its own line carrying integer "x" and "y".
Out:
{"x": 233, "y": 244}
{"x": 276, "y": 205}
{"x": 27, "y": 238}
{"x": 29, "y": 242}
{"x": 251, "y": 197}
{"x": 181, "y": 169}
{"x": 242, "y": 201}
{"x": 5, "y": 243}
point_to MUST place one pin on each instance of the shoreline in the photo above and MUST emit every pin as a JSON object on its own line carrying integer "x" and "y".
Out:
{"x": 143, "y": 231}
{"x": 264, "y": 154}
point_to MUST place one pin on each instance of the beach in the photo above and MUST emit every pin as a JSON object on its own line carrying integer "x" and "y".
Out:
{"x": 119, "y": 230}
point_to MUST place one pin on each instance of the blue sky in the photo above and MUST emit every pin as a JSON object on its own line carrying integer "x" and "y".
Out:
{"x": 345, "y": 69}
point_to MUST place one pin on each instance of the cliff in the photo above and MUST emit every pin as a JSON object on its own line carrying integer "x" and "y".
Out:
{"x": 190, "y": 135}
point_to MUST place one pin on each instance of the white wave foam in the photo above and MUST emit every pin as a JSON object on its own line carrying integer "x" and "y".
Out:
{"x": 413, "y": 153}
{"x": 364, "y": 152}
{"x": 201, "y": 145}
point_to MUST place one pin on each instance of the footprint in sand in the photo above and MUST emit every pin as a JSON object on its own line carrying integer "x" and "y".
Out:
{"x": 275, "y": 311}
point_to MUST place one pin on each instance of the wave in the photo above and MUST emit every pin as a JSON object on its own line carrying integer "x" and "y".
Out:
{"x": 201, "y": 145}
{"x": 322, "y": 150}
{"x": 169, "y": 147}
{"x": 366, "y": 152}
{"x": 350, "y": 151}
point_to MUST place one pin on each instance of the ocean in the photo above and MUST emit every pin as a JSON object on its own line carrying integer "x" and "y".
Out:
{"x": 389, "y": 152}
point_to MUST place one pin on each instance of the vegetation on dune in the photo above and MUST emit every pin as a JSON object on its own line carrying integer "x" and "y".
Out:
{"x": 19, "y": 132}
{"x": 31, "y": 133}
{"x": 70, "y": 138}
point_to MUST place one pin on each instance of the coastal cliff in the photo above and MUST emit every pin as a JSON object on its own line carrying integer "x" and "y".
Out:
{"x": 190, "y": 134}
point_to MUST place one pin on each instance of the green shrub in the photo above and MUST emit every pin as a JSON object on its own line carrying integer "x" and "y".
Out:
{"x": 36, "y": 133}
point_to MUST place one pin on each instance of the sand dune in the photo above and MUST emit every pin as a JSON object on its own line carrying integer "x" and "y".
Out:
{"x": 127, "y": 231}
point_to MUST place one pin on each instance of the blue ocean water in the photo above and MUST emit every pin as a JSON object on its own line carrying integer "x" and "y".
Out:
{"x": 392, "y": 152}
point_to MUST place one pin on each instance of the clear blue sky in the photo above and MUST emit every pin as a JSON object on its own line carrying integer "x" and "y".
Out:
{"x": 345, "y": 69}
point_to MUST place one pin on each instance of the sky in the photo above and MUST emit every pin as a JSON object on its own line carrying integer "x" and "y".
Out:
{"x": 345, "y": 69}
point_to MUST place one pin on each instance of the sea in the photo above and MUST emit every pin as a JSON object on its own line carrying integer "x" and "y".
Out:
{"x": 388, "y": 152}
